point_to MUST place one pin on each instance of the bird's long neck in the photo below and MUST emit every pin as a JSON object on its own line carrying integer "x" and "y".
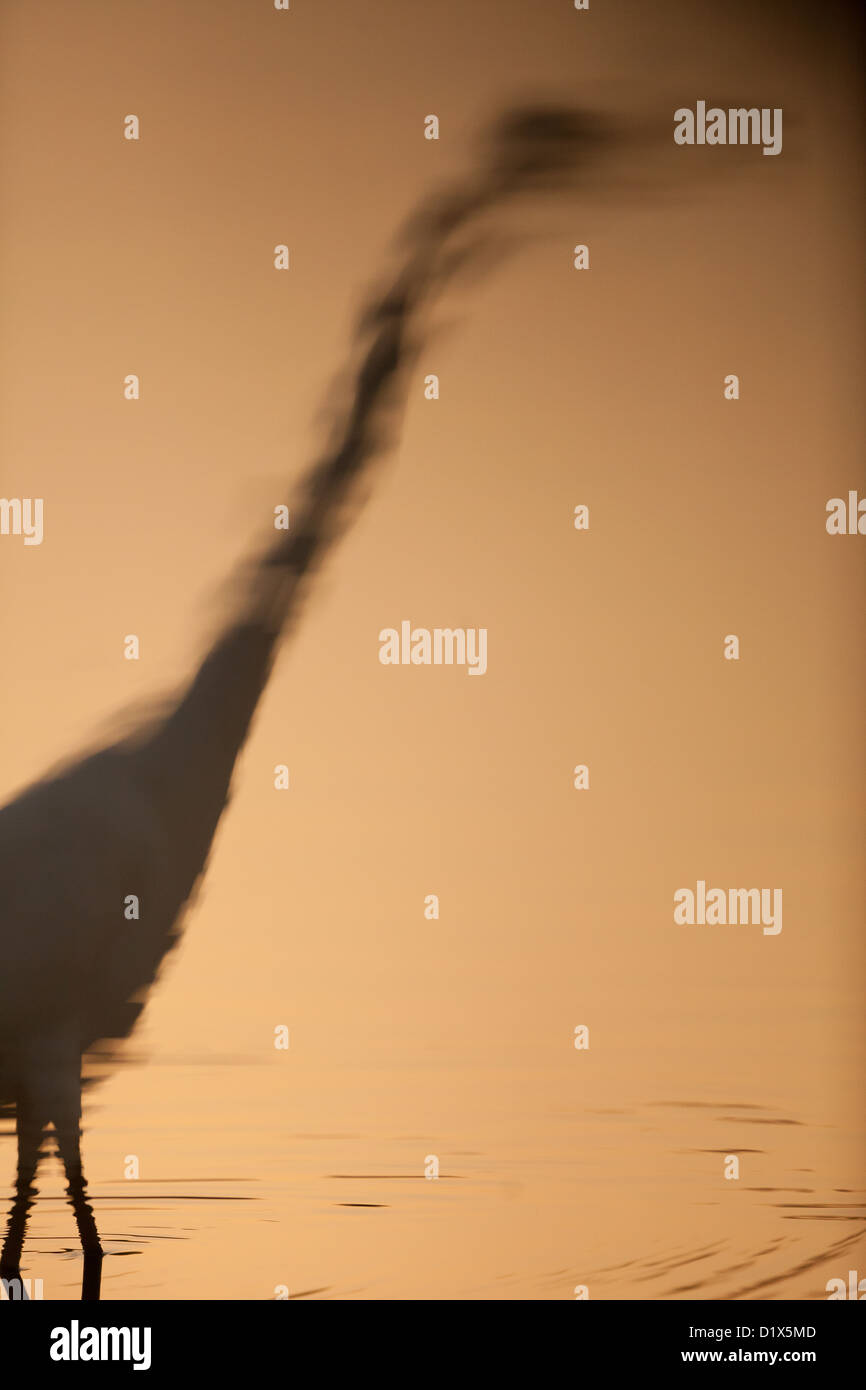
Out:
{"x": 189, "y": 758}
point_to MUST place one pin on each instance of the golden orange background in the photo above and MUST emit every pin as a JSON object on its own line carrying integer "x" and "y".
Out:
{"x": 454, "y": 1038}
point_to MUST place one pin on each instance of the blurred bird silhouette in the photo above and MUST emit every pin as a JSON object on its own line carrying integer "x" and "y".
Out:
{"x": 138, "y": 817}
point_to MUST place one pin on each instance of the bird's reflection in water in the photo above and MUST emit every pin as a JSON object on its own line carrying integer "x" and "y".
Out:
{"x": 350, "y": 1214}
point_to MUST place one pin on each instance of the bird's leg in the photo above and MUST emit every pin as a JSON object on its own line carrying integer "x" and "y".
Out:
{"x": 29, "y": 1130}
{"x": 67, "y": 1124}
